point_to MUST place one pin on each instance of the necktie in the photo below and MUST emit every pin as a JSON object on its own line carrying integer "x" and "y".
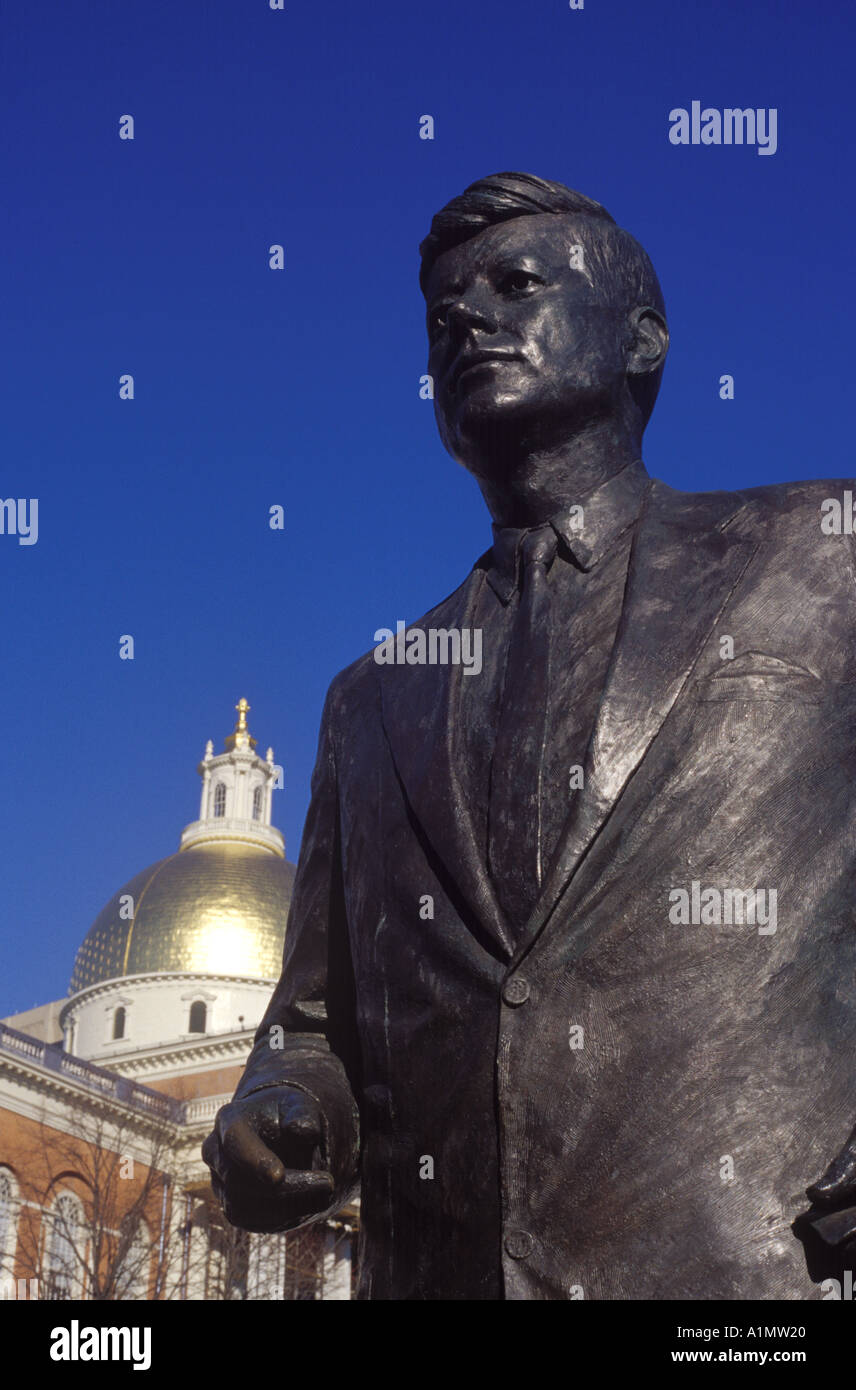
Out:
{"x": 514, "y": 828}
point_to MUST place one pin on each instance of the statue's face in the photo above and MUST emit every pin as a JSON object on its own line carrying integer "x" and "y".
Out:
{"x": 521, "y": 347}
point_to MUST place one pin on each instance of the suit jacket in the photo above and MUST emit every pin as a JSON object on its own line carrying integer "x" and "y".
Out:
{"x": 618, "y": 1105}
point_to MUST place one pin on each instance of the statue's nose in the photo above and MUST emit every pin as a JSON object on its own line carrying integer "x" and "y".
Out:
{"x": 470, "y": 312}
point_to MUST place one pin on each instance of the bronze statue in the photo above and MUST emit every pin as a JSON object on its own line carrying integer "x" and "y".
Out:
{"x": 568, "y": 982}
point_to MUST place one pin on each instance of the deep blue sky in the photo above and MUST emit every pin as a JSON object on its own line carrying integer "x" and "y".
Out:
{"x": 301, "y": 387}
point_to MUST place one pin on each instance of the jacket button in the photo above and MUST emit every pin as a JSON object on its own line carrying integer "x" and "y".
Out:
{"x": 516, "y": 990}
{"x": 518, "y": 1244}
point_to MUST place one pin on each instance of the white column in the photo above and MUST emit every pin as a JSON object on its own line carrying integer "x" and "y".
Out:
{"x": 204, "y": 809}
{"x": 266, "y": 1271}
{"x": 337, "y": 1265}
{"x": 199, "y": 1253}
{"x": 242, "y": 810}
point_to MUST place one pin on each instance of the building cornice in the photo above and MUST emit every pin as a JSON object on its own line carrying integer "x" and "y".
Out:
{"x": 152, "y": 980}
{"x": 40, "y": 1095}
{"x": 43, "y": 1092}
{"x": 202, "y": 1052}
{"x": 232, "y": 831}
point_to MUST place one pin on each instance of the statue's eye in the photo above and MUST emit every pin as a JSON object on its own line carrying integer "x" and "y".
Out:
{"x": 518, "y": 282}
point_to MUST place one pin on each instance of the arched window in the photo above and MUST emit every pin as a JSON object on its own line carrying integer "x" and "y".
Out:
{"x": 8, "y": 1223}
{"x": 257, "y": 804}
{"x": 198, "y": 1014}
{"x": 66, "y": 1238}
{"x": 220, "y": 799}
{"x": 119, "y": 1022}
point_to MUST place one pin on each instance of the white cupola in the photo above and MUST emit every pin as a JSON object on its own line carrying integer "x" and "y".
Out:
{"x": 237, "y": 790}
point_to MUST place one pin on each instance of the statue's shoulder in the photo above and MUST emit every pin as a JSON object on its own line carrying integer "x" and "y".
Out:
{"x": 359, "y": 681}
{"x": 804, "y": 517}
{"x": 804, "y": 495}
{"x": 785, "y": 511}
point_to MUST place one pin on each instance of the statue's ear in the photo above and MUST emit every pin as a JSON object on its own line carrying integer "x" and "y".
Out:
{"x": 647, "y": 341}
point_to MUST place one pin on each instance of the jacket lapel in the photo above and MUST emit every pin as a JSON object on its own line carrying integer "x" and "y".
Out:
{"x": 687, "y": 557}
{"x": 419, "y": 709}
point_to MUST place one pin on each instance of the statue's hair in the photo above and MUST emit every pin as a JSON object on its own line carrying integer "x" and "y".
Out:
{"x": 618, "y": 267}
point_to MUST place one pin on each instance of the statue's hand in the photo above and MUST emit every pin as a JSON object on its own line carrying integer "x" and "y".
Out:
{"x": 265, "y": 1159}
{"x": 836, "y": 1192}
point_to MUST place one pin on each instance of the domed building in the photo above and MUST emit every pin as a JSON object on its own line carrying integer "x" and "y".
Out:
{"x": 123, "y": 1078}
{"x": 178, "y": 967}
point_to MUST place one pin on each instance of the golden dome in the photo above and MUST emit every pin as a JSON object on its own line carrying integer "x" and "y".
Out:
{"x": 213, "y": 908}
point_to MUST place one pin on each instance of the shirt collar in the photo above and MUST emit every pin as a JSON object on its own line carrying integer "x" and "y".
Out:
{"x": 587, "y": 528}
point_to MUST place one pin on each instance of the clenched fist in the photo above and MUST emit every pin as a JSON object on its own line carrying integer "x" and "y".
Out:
{"x": 266, "y": 1160}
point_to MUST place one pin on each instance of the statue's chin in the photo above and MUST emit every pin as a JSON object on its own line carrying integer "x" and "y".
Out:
{"x": 486, "y": 436}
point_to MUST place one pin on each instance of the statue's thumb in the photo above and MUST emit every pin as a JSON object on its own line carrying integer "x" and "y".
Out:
{"x": 839, "y": 1181}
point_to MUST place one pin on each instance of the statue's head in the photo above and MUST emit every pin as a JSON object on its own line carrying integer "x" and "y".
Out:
{"x": 544, "y": 318}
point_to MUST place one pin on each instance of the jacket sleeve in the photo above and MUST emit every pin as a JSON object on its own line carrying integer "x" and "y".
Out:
{"x": 308, "y": 1036}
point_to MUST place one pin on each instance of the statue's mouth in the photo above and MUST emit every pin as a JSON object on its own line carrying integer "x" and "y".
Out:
{"x": 469, "y": 361}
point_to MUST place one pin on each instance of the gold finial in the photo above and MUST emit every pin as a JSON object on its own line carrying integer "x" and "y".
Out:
{"x": 240, "y": 737}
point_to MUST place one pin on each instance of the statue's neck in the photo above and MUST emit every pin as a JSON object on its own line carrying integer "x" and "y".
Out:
{"x": 536, "y": 487}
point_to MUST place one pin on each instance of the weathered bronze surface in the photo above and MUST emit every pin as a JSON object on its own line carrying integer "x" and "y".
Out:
{"x": 539, "y": 1018}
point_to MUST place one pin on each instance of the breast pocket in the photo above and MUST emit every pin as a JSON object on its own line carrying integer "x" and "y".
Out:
{"x": 755, "y": 677}
{"x": 763, "y": 704}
